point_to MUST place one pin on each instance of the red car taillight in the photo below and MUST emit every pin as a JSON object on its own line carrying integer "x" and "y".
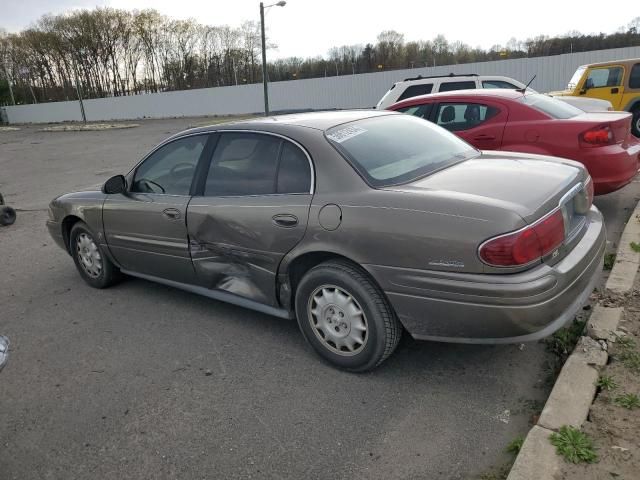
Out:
{"x": 526, "y": 245}
{"x": 602, "y": 135}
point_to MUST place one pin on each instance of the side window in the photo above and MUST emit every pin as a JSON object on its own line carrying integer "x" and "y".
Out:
{"x": 421, "y": 111}
{"x": 451, "y": 86}
{"x": 294, "y": 171}
{"x": 169, "y": 170}
{"x": 498, "y": 84}
{"x": 463, "y": 116}
{"x": 604, "y": 77}
{"x": 634, "y": 78}
{"x": 415, "y": 90}
{"x": 243, "y": 164}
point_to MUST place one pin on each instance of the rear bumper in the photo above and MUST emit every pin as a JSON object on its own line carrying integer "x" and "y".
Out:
{"x": 482, "y": 308}
{"x": 611, "y": 167}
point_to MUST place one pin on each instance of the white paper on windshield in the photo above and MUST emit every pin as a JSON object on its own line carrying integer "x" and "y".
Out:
{"x": 345, "y": 133}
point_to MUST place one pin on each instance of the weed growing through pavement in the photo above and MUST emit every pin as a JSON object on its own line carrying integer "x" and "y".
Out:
{"x": 630, "y": 401}
{"x": 574, "y": 445}
{"x": 635, "y": 247}
{"x": 515, "y": 446}
{"x": 501, "y": 474}
{"x": 564, "y": 340}
{"x": 609, "y": 261}
{"x": 606, "y": 382}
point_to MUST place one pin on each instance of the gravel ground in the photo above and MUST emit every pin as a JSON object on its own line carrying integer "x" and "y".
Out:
{"x": 613, "y": 428}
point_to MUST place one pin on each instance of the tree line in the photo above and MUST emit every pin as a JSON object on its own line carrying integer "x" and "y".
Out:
{"x": 112, "y": 52}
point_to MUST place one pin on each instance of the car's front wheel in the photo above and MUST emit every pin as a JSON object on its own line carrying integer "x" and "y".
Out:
{"x": 94, "y": 266}
{"x": 345, "y": 316}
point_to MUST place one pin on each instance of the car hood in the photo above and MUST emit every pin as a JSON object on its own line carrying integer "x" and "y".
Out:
{"x": 528, "y": 185}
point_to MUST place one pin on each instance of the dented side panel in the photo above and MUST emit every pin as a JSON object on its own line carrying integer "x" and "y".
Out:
{"x": 236, "y": 243}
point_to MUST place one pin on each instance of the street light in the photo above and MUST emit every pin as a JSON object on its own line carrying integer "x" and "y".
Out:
{"x": 264, "y": 54}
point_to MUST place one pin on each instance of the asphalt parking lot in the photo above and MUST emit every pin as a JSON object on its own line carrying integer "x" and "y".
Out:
{"x": 144, "y": 381}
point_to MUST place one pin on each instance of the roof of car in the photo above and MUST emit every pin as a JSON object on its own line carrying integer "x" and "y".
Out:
{"x": 626, "y": 61}
{"x": 505, "y": 93}
{"x": 317, "y": 120}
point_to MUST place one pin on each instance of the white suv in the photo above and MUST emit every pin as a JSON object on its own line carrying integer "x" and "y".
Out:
{"x": 412, "y": 87}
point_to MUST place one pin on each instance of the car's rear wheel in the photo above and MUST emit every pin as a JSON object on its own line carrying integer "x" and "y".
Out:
{"x": 7, "y": 216}
{"x": 345, "y": 316}
{"x": 94, "y": 266}
{"x": 635, "y": 123}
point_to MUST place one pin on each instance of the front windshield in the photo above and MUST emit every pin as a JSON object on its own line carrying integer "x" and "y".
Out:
{"x": 573, "y": 83}
{"x": 395, "y": 149}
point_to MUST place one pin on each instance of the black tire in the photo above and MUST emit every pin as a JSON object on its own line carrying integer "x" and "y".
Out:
{"x": 103, "y": 277}
{"x": 382, "y": 332}
{"x": 7, "y": 216}
{"x": 635, "y": 122}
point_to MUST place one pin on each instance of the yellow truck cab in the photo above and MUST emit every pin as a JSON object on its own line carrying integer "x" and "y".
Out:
{"x": 617, "y": 81}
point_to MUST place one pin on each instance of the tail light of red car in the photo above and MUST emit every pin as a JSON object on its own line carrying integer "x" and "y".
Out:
{"x": 526, "y": 245}
{"x": 597, "y": 137}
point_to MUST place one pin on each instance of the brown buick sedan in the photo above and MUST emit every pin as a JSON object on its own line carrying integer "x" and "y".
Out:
{"x": 360, "y": 224}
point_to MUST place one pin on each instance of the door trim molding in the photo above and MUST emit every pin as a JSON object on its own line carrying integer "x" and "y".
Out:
{"x": 217, "y": 295}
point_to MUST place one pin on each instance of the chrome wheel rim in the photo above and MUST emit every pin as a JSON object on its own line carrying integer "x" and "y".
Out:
{"x": 638, "y": 124}
{"x": 337, "y": 320}
{"x": 89, "y": 255}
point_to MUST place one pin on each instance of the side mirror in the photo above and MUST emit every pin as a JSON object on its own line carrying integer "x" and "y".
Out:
{"x": 116, "y": 184}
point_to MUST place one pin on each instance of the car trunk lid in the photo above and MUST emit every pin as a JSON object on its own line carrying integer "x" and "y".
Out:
{"x": 530, "y": 185}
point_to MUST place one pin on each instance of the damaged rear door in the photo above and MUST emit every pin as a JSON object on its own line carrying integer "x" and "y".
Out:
{"x": 253, "y": 209}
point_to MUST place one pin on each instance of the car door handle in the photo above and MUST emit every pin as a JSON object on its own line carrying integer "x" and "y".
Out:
{"x": 484, "y": 137}
{"x": 615, "y": 90}
{"x": 171, "y": 213}
{"x": 285, "y": 220}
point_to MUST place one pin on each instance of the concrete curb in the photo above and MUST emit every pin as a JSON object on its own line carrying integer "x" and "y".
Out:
{"x": 574, "y": 390}
{"x": 627, "y": 260}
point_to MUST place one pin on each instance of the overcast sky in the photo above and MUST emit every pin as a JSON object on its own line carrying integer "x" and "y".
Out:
{"x": 310, "y": 27}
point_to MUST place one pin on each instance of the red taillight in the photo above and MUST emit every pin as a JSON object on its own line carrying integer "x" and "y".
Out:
{"x": 525, "y": 246}
{"x": 602, "y": 135}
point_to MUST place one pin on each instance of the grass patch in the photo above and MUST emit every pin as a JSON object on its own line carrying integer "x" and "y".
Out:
{"x": 630, "y": 401}
{"x": 574, "y": 445}
{"x": 564, "y": 340}
{"x": 609, "y": 261}
{"x": 625, "y": 342}
{"x": 515, "y": 446}
{"x": 635, "y": 247}
{"x": 606, "y": 382}
{"x": 630, "y": 358}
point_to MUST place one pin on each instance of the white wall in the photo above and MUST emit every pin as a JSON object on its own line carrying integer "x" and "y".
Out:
{"x": 348, "y": 91}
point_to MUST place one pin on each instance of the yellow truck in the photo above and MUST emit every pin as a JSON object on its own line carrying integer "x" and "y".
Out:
{"x": 617, "y": 81}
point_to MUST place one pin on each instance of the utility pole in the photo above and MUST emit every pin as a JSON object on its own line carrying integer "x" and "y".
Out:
{"x": 84, "y": 116}
{"x": 6, "y": 74}
{"x": 264, "y": 63}
{"x": 264, "y": 54}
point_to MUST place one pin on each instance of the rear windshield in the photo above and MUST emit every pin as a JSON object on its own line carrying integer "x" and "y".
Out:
{"x": 551, "y": 106}
{"x": 395, "y": 149}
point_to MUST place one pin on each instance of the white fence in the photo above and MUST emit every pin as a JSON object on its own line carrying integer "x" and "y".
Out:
{"x": 347, "y": 91}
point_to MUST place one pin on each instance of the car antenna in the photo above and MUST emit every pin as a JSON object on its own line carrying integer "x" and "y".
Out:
{"x": 523, "y": 90}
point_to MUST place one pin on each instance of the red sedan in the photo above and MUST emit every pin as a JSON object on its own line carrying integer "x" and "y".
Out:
{"x": 536, "y": 123}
